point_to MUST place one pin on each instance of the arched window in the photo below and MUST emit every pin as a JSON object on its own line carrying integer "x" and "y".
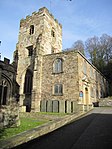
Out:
{"x": 57, "y": 66}
{"x": 31, "y": 29}
{"x": 28, "y": 82}
{"x": 3, "y": 92}
{"x": 58, "y": 89}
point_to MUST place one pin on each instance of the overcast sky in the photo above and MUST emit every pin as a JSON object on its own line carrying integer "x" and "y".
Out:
{"x": 81, "y": 19}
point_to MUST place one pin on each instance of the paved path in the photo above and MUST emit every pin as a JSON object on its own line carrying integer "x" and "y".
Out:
{"x": 91, "y": 132}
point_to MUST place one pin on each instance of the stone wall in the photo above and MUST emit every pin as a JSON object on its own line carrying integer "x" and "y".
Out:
{"x": 9, "y": 115}
{"x": 68, "y": 77}
{"x": 67, "y": 101}
{"x": 105, "y": 102}
{"x": 92, "y": 79}
{"x": 9, "y": 95}
{"x": 39, "y": 34}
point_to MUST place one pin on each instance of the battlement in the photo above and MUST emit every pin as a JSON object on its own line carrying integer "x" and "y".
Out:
{"x": 42, "y": 12}
{"x": 6, "y": 65}
{"x": 40, "y": 31}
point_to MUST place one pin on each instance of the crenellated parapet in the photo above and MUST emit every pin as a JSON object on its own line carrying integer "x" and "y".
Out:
{"x": 5, "y": 65}
{"x": 42, "y": 12}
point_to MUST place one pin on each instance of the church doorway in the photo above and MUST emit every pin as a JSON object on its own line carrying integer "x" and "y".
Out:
{"x": 28, "y": 89}
{"x": 86, "y": 96}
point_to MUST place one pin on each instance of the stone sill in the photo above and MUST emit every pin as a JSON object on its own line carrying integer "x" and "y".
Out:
{"x": 57, "y": 95}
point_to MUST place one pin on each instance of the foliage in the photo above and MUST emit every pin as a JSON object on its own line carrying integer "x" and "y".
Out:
{"x": 99, "y": 50}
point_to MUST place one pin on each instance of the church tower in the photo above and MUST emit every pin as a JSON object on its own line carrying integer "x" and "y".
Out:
{"x": 39, "y": 34}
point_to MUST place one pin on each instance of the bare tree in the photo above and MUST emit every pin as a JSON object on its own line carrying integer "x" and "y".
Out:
{"x": 92, "y": 47}
{"x": 78, "y": 46}
{"x": 100, "y": 52}
{"x": 106, "y": 46}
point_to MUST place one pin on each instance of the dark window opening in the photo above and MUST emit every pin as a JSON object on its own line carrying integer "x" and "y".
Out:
{"x": 31, "y": 29}
{"x": 86, "y": 89}
{"x": 30, "y": 50}
{"x": 97, "y": 94}
{"x": 28, "y": 108}
{"x": 65, "y": 106}
{"x": 71, "y": 107}
{"x": 3, "y": 94}
{"x": 28, "y": 82}
{"x": 53, "y": 33}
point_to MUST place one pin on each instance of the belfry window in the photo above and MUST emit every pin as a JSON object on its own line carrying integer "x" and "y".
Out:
{"x": 31, "y": 29}
{"x": 58, "y": 89}
{"x": 57, "y": 66}
{"x": 52, "y": 33}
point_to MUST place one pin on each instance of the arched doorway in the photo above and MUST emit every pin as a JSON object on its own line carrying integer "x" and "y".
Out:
{"x": 28, "y": 89}
{"x": 86, "y": 96}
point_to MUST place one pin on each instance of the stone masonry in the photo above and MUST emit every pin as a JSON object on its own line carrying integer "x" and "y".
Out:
{"x": 39, "y": 34}
{"x": 51, "y": 80}
{"x": 9, "y": 95}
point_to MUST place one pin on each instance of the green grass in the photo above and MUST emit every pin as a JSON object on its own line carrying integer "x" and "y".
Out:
{"x": 25, "y": 124}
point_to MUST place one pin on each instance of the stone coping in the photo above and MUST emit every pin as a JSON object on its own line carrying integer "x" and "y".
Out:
{"x": 39, "y": 131}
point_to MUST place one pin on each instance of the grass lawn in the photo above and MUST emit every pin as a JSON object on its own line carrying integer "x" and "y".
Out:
{"x": 25, "y": 124}
{"x": 29, "y": 121}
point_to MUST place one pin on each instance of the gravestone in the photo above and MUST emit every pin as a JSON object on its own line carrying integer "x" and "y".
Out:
{"x": 49, "y": 106}
{"x": 62, "y": 106}
{"x": 55, "y": 106}
{"x": 74, "y": 106}
{"x": 68, "y": 106}
{"x": 43, "y": 106}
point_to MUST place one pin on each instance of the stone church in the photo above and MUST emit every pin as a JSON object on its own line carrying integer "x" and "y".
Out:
{"x": 52, "y": 80}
